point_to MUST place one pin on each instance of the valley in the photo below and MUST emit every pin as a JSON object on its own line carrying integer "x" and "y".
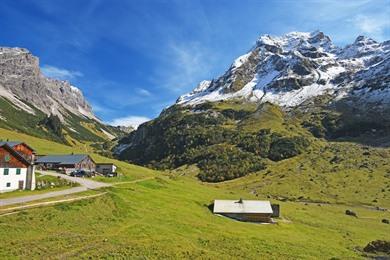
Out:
{"x": 167, "y": 216}
{"x": 296, "y": 121}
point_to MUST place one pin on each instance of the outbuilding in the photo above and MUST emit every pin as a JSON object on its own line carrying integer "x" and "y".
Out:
{"x": 67, "y": 162}
{"x": 244, "y": 210}
{"x": 106, "y": 168}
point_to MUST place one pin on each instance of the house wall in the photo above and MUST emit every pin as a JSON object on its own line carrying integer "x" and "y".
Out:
{"x": 105, "y": 168}
{"x": 12, "y": 162}
{"x": 25, "y": 151}
{"x": 30, "y": 178}
{"x": 12, "y": 178}
{"x": 86, "y": 164}
{"x": 251, "y": 217}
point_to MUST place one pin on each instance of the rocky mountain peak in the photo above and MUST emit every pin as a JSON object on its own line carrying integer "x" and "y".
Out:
{"x": 291, "y": 69}
{"x": 22, "y": 82}
{"x": 294, "y": 41}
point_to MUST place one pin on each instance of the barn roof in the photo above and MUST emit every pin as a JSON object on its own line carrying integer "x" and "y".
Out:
{"x": 62, "y": 159}
{"x": 242, "y": 206}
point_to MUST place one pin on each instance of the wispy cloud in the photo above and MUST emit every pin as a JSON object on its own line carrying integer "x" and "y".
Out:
{"x": 143, "y": 92}
{"x": 186, "y": 65}
{"x": 133, "y": 121}
{"x": 59, "y": 73}
{"x": 375, "y": 25}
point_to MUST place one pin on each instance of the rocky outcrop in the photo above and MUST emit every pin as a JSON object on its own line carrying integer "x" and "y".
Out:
{"x": 48, "y": 108}
{"x": 378, "y": 246}
{"x": 22, "y": 82}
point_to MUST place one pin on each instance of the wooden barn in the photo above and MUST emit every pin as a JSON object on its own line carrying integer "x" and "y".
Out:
{"x": 67, "y": 163}
{"x": 244, "y": 210}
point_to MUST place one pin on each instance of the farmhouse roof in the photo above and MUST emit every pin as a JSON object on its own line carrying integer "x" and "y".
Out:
{"x": 62, "y": 159}
{"x": 242, "y": 206}
{"x": 15, "y": 153}
{"x": 14, "y": 143}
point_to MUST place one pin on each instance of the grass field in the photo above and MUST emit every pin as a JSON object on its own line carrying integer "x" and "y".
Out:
{"x": 168, "y": 217}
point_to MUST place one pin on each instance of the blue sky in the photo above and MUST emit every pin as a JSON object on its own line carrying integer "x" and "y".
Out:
{"x": 133, "y": 58}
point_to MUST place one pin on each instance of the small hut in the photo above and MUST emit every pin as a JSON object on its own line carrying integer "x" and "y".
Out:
{"x": 244, "y": 210}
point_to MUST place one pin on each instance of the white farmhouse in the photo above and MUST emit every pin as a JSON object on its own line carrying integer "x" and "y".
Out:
{"x": 16, "y": 168}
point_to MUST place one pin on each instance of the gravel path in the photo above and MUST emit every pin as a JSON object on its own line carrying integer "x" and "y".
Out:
{"x": 86, "y": 184}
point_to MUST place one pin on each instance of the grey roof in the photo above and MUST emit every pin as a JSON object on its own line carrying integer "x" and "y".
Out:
{"x": 62, "y": 159}
{"x": 14, "y": 143}
{"x": 243, "y": 206}
{"x": 10, "y": 143}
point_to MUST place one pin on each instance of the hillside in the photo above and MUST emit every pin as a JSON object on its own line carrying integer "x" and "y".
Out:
{"x": 168, "y": 217}
{"x": 289, "y": 97}
{"x": 44, "y": 107}
{"x": 44, "y": 146}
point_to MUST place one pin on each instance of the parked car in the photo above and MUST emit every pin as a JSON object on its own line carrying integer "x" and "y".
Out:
{"x": 77, "y": 173}
{"x": 80, "y": 173}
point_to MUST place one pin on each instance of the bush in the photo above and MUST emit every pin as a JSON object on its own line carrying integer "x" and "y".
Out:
{"x": 221, "y": 162}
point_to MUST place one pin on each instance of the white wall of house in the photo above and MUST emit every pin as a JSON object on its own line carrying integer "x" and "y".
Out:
{"x": 105, "y": 168}
{"x": 10, "y": 181}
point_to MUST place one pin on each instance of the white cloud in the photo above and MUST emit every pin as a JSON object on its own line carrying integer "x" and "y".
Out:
{"x": 58, "y": 73}
{"x": 186, "y": 64}
{"x": 375, "y": 25}
{"x": 144, "y": 92}
{"x": 133, "y": 121}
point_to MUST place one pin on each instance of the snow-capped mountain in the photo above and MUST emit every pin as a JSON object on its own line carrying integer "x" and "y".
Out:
{"x": 22, "y": 82}
{"x": 283, "y": 98}
{"x": 296, "y": 67}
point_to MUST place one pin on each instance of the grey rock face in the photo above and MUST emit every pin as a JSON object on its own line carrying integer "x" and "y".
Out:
{"x": 22, "y": 81}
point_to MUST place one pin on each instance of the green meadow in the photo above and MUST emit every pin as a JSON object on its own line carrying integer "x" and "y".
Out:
{"x": 167, "y": 217}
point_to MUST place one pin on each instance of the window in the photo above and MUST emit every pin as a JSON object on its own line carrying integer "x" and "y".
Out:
{"x": 8, "y": 184}
{"x": 6, "y": 171}
{"x": 18, "y": 171}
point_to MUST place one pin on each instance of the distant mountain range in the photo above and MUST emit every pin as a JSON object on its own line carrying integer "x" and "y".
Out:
{"x": 285, "y": 96}
{"x": 292, "y": 69}
{"x": 45, "y": 107}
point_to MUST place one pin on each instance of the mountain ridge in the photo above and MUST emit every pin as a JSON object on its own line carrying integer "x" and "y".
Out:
{"x": 288, "y": 97}
{"x": 33, "y": 103}
{"x": 293, "y": 68}
{"x": 22, "y": 77}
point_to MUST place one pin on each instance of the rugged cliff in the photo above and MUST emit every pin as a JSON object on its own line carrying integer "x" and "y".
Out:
{"x": 35, "y": 104}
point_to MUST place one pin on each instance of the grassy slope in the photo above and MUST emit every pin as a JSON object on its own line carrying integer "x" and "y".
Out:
{"x": 361, "y": 176}
{"x": 77, "y": 128}
{"x": 43, "y": 146}
{"x": 167, "y": 218}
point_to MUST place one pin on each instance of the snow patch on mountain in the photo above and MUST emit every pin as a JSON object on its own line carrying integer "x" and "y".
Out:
{"x": 298, "y": 66}
{"x": 241, "y": 60}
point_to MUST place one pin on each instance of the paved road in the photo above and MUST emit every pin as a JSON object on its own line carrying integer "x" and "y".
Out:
{"x": 86, "y": 184}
